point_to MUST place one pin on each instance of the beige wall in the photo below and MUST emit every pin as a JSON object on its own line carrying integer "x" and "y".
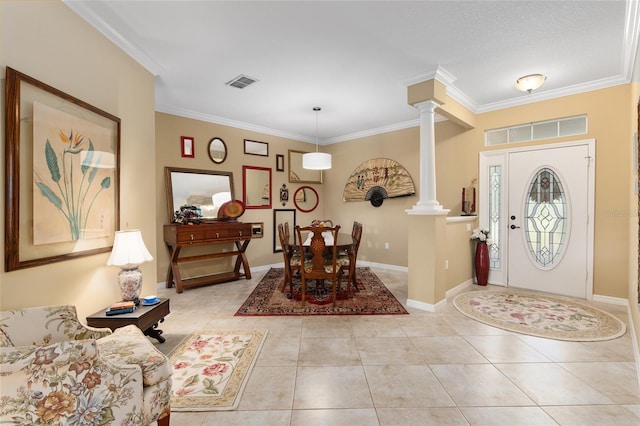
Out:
{"x": 49, "y": 42}
{"x": 169, "y": 129}
{"x": 457, "y": 166}
{"x": 609, "y": 123}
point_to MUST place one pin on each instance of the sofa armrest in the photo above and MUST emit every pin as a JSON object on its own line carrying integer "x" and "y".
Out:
{"x": 45, "y": 325}
{"x": 66, "y": 382}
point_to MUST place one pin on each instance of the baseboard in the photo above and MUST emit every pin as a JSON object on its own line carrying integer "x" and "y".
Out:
{"x": 428, "y": 307}
{"x": 458, "y": 289}
{"x": 383, "y": 266}
{"x": 611, "y": 300}
{"x": 634, "y": 340}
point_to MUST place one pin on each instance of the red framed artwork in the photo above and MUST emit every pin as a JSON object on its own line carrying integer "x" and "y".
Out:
{"x": 186, "y": 146}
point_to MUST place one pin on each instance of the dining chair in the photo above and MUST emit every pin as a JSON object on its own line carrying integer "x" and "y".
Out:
{"x": 319, "y": 267}
{"x": 291, "y": 256}
{"x": 347, "y": 259}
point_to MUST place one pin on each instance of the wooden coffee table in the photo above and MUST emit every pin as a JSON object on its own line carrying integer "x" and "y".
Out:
{"x": 146, "y": 318}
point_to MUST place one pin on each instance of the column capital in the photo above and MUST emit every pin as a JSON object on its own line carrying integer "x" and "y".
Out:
{"x": 428, "y": 106}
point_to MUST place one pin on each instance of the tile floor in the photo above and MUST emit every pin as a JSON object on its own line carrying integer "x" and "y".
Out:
{"x": 417, "y": 369}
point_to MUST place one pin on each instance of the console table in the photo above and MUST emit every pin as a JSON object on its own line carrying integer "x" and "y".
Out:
{"x": 177, "y": 237}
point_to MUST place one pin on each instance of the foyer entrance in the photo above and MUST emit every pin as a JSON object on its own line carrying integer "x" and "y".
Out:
{"x": 537, "y": 203}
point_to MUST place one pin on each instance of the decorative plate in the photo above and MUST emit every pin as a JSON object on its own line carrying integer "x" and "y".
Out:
{"x": 231, "y": 210}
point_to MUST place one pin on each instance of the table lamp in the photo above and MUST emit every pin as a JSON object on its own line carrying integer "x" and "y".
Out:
{"x": 129, "y": 252}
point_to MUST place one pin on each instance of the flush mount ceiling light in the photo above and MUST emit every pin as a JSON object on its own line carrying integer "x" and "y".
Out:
{"x": 316, "y": 160}
{"x": 530, "y": 82}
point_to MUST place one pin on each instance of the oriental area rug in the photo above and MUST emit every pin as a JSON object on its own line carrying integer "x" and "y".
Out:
{"x": 540, "y": 315}
{"x": 372, "y": 298}
{"x": 211, "y": 368}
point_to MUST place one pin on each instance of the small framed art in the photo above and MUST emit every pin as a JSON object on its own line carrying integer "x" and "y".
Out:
{"x": 187, "y": 146}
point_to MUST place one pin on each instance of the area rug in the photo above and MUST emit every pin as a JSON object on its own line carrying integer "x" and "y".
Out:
{"x": 211, "y": 368}
{"x": 540, "y": 315}
{"x": 373, "y": 298}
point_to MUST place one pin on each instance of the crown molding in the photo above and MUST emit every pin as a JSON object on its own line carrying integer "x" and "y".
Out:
{"x": 181, "y": 112}
{"x": 81, "y": 9}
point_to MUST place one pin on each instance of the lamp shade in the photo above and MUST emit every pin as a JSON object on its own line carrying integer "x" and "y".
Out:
{"x": 316, "y": 161}
{"x": 129, "y": 250}
{"x": 530, "y": 82}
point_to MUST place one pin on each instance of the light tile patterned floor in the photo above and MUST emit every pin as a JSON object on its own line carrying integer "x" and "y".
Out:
{"x": 423, "y": 368}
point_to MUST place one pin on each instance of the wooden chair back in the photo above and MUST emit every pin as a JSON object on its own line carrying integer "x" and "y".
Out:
{"x": 322, "y": 264}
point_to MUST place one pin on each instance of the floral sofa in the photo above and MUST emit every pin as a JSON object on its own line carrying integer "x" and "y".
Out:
{"x": 56, "y": 371}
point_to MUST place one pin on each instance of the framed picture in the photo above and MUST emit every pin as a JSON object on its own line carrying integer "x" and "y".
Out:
{"x": 257, "y": 230}
{"x": 62, "y": 165}
{"x": 187, "y": 146}
{"x": 279, "y": 163}
{"x": 256, "y": 148}
{"x": 283, "y": 216}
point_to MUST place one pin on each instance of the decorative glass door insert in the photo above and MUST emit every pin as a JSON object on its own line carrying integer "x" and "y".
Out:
{"x": 546, "y": 223}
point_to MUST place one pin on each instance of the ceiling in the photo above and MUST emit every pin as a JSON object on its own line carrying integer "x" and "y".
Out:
{"x": 354, "y": 59}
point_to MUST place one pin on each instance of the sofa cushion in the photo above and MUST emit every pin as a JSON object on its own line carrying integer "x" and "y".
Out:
{"x": 128, "y": 345}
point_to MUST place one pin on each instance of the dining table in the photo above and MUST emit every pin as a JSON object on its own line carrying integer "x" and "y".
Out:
{"x": 345, "y": 243}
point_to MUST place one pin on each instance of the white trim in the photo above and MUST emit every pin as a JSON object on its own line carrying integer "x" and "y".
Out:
{"x": 428, "y": 307}
{"x": 96, "y": 21}
{"x": 634, "y": 338}
{"x": 610, "y": 300}
{"x": 461, "y": 218}
{"x": 452, "y": 292}
{"x": 383, "y": 266}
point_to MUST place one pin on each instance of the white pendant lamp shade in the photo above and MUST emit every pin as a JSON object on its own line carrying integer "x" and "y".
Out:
{"x": 530, "y": 82}
{"x": 316, "y": 160}
{"x": 129, "y": 250}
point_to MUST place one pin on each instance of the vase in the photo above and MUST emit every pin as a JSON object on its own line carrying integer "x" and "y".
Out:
{"x": 482, "y": 263}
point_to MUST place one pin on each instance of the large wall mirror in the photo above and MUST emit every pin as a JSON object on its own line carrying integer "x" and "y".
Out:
{"x": 206, "y": 189}
{"x": 299, "y": 175}
{"x": 256, "y": 187}
{"x": 217, "y": 150}
{"x": 306, "y": 199}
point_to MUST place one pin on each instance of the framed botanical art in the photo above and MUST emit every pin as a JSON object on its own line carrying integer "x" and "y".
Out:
{"x": 62, "y": 161}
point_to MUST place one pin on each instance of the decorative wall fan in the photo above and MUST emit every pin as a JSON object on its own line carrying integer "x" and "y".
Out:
{"x": 377, "y": 179}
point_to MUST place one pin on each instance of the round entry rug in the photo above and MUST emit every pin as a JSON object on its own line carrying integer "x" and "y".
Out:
{"x": 539, "y": 315}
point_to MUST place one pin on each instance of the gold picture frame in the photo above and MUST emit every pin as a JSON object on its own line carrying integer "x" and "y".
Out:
{"x": 62, "y": 165}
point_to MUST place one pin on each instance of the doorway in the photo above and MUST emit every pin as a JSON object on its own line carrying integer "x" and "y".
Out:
{"x": 537, "y": 202}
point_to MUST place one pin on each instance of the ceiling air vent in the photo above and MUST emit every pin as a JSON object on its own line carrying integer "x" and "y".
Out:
{"x": 241, "y": 81}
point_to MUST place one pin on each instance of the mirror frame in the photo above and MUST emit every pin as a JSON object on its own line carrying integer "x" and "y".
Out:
{"x": 256, "y": 148}
{"x": 244, "y": 188}
{"x": 282, "y": 216}
{"x": 168, "y": 171}
{"x": 299, "y": 175}
{"x": 295, "y": 199}
{"x": 209, "y": 150}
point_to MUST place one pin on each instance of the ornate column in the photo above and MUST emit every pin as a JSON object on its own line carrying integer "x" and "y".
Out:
{"x": 427, "y": 203}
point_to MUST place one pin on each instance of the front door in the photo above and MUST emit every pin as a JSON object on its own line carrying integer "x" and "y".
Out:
{"x": 548, "y": 227}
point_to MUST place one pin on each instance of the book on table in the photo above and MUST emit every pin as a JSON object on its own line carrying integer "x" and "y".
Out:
{"x": 127, "y": 304}
{"x": 120, "y": 308}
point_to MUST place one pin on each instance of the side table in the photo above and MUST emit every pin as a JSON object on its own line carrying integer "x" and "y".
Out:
{"x": 146, "y": 318}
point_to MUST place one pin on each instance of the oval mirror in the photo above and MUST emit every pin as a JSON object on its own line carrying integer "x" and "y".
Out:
{"x": 306, "y": 199}
{"x": 217, "y": 150}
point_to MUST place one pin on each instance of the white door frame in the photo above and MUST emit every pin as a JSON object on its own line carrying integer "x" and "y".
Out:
{"x": 499, "y": 276}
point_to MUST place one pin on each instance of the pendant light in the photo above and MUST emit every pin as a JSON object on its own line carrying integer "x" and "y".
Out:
{"x": 316, "y": 160}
